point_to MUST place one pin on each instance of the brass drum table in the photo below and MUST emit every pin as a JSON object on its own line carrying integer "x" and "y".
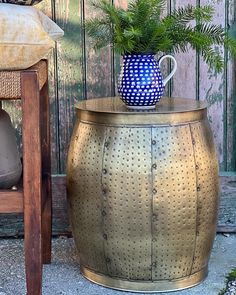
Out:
{"x": 143, "y": 193}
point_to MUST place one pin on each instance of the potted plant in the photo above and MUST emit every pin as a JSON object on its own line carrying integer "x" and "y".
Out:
{"x": 141, "y": 31}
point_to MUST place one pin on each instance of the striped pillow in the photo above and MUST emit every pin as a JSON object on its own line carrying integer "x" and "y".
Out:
{"x": 21, "y": 2}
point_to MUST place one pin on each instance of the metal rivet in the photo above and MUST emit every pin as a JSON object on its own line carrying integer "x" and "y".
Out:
{"x": 108, "y": 260}
{"x": 154, "y": 142}
{"x": 106, "y": 144}
{"x": 154, "y": 191}
{"x": 104, "y": 213}
{"x": 154, "y": 217}
{"x": 198, "y": 188}
{"x": 104, "y": 171}
{"x": 154, "y": 166}
{"x": 105, "y": 236}
{"x": 197, "y": 167}
{"x": 194, "y": 142}
{"x": 154, "y": 264}
{"x": 104, "y": 191}
{"x": 154, "y": 240}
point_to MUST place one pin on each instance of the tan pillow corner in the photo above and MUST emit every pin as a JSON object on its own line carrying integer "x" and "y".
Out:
{"x": 26, "y": 36}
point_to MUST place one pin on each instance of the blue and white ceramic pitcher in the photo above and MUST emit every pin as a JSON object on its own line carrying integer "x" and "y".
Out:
{"x": 141, "y": 84}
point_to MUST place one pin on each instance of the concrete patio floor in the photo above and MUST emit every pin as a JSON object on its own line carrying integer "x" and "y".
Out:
{"x": 63, "y": 276}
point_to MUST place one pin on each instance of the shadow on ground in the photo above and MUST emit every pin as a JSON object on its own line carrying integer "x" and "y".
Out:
{"x": 62, "y": 277}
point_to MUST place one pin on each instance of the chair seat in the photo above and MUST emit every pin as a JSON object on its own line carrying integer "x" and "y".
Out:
{"x": 10, "y": 87}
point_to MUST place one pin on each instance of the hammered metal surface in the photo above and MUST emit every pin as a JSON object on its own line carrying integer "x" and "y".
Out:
{"x": 143, "y": 201}
{"x": 174, "y": 202}
{"x": 127, "y": 223}
{"x": 84, "y": 190}
{"x": 208, "y": 191}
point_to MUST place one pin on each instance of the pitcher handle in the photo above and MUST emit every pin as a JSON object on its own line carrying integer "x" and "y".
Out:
{"x": 174, "y": 68}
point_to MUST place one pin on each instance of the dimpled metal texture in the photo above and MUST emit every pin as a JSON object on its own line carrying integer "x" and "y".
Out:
{"x": 127, "y": 203}
{"x": 207, "y": 192}
{"x": 143, "y": 194}
{"x": 85, "y": 181}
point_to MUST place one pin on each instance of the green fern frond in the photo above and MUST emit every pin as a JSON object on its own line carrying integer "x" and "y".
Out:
{"x": 181, "y": 15}
{"x": 164, "y": 45}
{"x": 180, "y": 36}
{"x": 104, "y": 27}
{"x": 142, "y": 29}
{"x": 143, "y": 9}
{"x": 230, "y": 44}
{"x": 132, "y": 33}
{"x": 214, "y": 32}
{"x": 111, "y": 13}
{"x": 230, "y": 277}
{"x": 223, "y": 291}
{"x": 157, "y": 34}
{"x": 101, "y": 5}
{"x": 203, "y": 13}
{"x": 186, "y": 14}
{"x": 182, "y": 47}
{"x": 213, "y": 59}
{"x": 101, "y": 37}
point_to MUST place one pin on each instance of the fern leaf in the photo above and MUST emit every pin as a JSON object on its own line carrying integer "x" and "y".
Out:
{"x": 203, "y": 13}
{"x": 142, "y": 29}
{"x": 213, "y": 59}
{"x": 182, "y": 15}
{"x": 215, "y": 32}
{"x": 230, "y": 44}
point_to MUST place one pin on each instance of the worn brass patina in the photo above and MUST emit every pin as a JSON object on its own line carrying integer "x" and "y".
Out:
{"x": 143, "y": 194}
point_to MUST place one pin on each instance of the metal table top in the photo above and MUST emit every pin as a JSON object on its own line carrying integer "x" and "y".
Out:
{"x": 111, "y": 110}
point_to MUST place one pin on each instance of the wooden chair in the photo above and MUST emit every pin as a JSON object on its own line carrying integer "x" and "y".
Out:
{"x": 34, "y": 198}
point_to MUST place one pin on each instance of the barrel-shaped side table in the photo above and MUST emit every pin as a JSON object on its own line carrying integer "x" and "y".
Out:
{"x": 143, "y": 193}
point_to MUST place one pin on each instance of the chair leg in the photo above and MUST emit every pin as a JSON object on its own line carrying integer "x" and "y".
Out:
{"x": 46, "y": 173}
{"x": 32, "y": 181}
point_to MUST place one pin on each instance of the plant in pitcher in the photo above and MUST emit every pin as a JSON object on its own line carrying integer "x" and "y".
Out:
{"x": 141, "y": 31}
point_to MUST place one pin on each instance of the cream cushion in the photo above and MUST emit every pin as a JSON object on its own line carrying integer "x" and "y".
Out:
{"x": 26, "y": 36}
